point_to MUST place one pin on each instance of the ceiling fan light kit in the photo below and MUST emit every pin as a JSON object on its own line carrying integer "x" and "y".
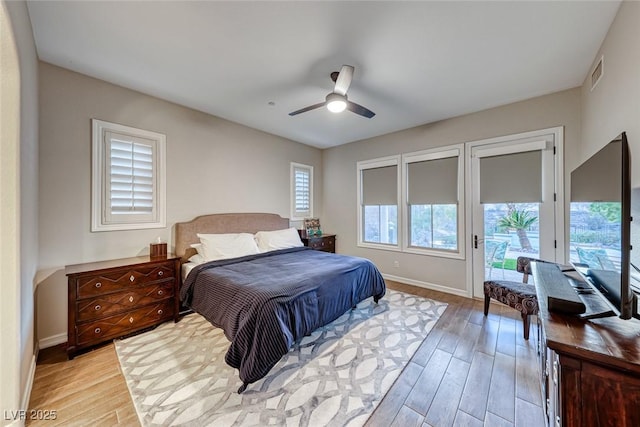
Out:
{"x": 337, "y": 101}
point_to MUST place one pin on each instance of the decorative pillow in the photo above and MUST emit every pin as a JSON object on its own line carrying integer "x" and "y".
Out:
{"x": 224, "y": 246}
{"x": 278, "y": 239}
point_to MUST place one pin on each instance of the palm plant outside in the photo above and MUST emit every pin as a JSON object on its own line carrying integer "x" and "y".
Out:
{"x": 519, "y": 220}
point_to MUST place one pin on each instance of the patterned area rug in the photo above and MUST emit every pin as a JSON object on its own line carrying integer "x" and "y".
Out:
{"x": 337, "y": 376}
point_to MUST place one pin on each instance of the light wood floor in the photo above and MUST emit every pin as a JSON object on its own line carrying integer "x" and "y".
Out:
{"x": 470, "y": 371}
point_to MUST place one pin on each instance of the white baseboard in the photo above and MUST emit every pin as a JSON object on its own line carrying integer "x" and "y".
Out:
{"x": 460, "y": 292}
{"x": 26, "y": 396}
{"x": 52, "y": 341}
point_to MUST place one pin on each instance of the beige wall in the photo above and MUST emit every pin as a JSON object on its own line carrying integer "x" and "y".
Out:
{"x": 340, "y": 210}
{"x": 614, "y": 104}
{"x": 18, "y": 204}
{"x": 213, "y": 165}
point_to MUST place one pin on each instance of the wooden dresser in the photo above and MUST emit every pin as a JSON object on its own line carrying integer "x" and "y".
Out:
{"x": 324, "y": 242}
{"x": 111, "y": 299}
{"x": 590, "y": 368}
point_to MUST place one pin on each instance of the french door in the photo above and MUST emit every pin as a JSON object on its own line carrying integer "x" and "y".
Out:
{"x": 517, "y": 204}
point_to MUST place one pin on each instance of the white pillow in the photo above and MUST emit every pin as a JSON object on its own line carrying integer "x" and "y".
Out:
{"x": 197, "y": 259}
{"x": 224, "y": 246}
{"x": 198, "y": 248}
{"x": 278, "y": 239}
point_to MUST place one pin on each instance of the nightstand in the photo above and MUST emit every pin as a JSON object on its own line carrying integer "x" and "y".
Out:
{"x": 324, "y": 242}
{"x": 111, "y": 299}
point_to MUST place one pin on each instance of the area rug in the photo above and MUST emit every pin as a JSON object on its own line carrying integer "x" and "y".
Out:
{"x": 335, "y": 377}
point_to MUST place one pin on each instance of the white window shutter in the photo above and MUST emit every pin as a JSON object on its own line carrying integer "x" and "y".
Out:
{"x": 301, "y": 191}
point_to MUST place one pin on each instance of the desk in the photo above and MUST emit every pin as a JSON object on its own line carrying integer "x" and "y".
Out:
{"x": 590, "y": 368}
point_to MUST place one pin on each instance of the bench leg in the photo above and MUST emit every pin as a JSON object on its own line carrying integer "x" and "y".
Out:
{"x": 487, "y": 301}
{"x": 526, "y": 324}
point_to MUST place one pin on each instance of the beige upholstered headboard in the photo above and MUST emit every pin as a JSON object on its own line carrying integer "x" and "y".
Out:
{"x": 186, "y": 232}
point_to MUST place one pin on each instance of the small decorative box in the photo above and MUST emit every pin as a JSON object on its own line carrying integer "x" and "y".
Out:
{"x": 158, "y": 250}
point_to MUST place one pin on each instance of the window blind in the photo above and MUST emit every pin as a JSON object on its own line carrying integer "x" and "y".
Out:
{"x": 302, "y": 191}
{"x": 432, "y": 182}
{"x": 131, "y": 175}
{"x": 513, "y": 178}
{"x": 380, "y": 186}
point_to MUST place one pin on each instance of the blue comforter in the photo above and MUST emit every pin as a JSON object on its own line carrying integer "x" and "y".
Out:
{"x": 266, "y": 302}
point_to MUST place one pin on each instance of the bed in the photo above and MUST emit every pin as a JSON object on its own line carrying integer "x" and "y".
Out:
{"x": 266, "y": 301}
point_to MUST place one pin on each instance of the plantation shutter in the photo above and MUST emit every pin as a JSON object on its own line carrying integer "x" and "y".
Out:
{"x": 131, "y": 177}
{"x": 302, "y": 191}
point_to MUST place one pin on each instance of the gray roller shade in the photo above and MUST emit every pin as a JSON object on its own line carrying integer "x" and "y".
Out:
{"x": 598, "y": 179}
{"x": 433, "y": 182}
{"x": 513, "y": 178}
{"x": 380, "y": 186}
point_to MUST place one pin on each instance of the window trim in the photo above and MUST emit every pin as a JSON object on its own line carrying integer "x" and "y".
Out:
{"x": 455, "y": 150}
{"x": 99, "y": 177}
{"x": 372, "y": 164}
{"x": 292, "y": 193}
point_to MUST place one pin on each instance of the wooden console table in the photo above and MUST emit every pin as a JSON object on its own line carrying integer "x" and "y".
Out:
{"x": 590, "y": 368}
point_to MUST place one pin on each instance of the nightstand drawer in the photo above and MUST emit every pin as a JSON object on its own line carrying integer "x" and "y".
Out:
{"x": 114, "y": 326}
{"x": 122, "y": 279}
{"x": 323, "y": 243}
{"x": 106, "y": 305}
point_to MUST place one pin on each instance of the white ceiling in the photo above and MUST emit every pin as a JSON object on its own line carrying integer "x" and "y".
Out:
{"x": 415, "y": 62}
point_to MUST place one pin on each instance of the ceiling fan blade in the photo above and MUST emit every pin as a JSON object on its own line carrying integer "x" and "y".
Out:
{"x": 359, "y": 109}
{"x": 344, "y": 80}
{"x": 305, "y": 109}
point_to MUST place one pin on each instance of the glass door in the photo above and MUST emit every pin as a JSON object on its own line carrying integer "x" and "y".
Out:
{"x": 514, "y": 213}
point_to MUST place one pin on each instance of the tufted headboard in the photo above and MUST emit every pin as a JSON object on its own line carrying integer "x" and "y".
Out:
{"x": 186, "y": 232}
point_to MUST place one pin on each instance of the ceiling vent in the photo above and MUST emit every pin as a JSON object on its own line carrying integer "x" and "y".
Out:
{"x": 596, "y": 74}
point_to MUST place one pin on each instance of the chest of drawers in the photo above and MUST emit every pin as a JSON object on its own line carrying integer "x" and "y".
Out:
{"x": 325, "y": 242}
{"x": 111, "y": 299}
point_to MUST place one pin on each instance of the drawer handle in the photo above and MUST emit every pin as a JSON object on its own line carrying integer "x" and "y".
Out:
{"x": 130, "y": 299}
{"x": 98, "y": 285}
{"x": 160, "y": 292}
{"x": 97, "y": 330}
{"x": 131, "y": 279}
{"x": 160, "y": 273}
{"x": 97, "y": 307}
{"x": 130, "y": 319}
{"x": 160, "y": 311}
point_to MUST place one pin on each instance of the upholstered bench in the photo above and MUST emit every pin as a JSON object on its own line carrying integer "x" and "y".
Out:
{"x": 518, "y": 295}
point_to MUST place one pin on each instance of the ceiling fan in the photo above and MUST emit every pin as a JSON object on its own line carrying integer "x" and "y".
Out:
{"x": 337, "y": 101}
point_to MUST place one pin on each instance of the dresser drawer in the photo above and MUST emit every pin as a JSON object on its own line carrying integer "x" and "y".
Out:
{"x": 106, "y": 305}
{"x": 122, "y": 324}
{"x": 118, "y": 280}
{"x": 327, "y": 244}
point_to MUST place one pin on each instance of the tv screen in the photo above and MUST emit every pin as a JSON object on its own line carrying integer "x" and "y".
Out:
{"x": 600, "y": 224}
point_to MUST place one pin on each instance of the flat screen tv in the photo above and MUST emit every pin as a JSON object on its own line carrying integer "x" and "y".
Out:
{"x": 600, "y": 225}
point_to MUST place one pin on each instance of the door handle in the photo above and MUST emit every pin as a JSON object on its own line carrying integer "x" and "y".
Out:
{"x": 475, "y": 241}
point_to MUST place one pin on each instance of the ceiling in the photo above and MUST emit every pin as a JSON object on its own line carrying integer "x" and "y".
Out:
{"x": 254, "y": 62}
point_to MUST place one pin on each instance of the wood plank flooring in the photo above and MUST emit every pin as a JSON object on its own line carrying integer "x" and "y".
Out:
{"x": 471, "y": 370}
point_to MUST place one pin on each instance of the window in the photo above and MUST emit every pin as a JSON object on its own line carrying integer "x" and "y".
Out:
{"x": 378, "y": 183}
{"x": 128, "y": 178}
{"x": 433, "y": 186}
{"x": 301, "y": 191}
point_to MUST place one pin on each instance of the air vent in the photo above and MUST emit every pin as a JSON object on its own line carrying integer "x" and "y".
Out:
{"x": 596, "y": 74}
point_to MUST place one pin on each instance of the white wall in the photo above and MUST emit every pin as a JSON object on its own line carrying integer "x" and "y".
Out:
{"x": 18, "y": 204}
{"x": 614, "y": 104}
{"x": 213, "y": 165}
{"x": 340, "y": 210}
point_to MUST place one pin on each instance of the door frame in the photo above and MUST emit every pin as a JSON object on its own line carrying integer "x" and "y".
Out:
{"x": 557, "y": 133}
